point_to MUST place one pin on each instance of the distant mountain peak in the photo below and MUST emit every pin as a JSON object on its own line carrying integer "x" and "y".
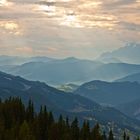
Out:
{"x": 71, "y": 59}
{"x": 128, "y": 54}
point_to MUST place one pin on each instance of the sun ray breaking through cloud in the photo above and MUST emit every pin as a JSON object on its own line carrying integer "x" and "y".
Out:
{"x": 68, "y": 25}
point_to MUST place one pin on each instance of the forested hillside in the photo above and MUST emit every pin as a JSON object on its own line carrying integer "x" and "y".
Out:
{"x": 18, "y": 122}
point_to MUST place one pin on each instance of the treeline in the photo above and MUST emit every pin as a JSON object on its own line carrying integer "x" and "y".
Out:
{"x": 18, "y": 122}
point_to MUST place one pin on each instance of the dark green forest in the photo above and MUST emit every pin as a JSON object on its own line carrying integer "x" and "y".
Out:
{"x": 20, "y": 122}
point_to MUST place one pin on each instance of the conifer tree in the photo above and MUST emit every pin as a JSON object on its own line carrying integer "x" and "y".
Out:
{"x": 50, "y": 119}
{"x": 104, "y": 137}
{"x": 85, "y": 131}
{"x": 30, "y": 111}
{"x": 67, "y": 123}
{"x": 75, "y": 130}
{"x": 111, "y": 137}
{"x": 128, "y": 138}
{"x": 95, "y": 133}
{"x": 124, "y": 136}
{"x": 18, "y": 122}
{"x": 25, "y": 133}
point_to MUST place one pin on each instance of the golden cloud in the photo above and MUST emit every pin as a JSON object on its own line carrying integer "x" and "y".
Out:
{"x": 27, "y": 50}
{"x": 10, "y": 27}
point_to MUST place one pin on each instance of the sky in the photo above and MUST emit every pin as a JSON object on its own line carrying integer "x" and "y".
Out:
{"x": 65, "y": 28}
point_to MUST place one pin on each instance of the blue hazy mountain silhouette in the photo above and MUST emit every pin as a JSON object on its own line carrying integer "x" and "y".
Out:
{"x": 128, "y": 54}
{"x": 64, "y": 103}
{"x": 110, "y": 93}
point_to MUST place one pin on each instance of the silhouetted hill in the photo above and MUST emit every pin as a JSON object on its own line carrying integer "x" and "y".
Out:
{"x": 131, "y": 109}
{"x": 114, "y": 71}
{"x": 18, "y": 60}
{"x": 70, "y": 70}
{"x": 131, "y": 78}
{"x": 56, "y": 72}
{"x": 110, "y": 93}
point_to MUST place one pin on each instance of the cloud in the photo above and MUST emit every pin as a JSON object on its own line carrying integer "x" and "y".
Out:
{"x": 118, "y": 3}
{"x": 83, "y": 28}
{"x": 131, "y": 26}
{"x": 26, "y": 50}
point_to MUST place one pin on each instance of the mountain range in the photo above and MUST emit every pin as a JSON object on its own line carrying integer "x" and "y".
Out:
{"x": 65, "y": 103}
{"x": 122, "y": 64}
{"x": 112, "y": 97}
{"x": 18, "y": 60}
{"x": 127, "y": 54}
{"x": 70, "y": 70}
{"x": 55, "y": 72}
